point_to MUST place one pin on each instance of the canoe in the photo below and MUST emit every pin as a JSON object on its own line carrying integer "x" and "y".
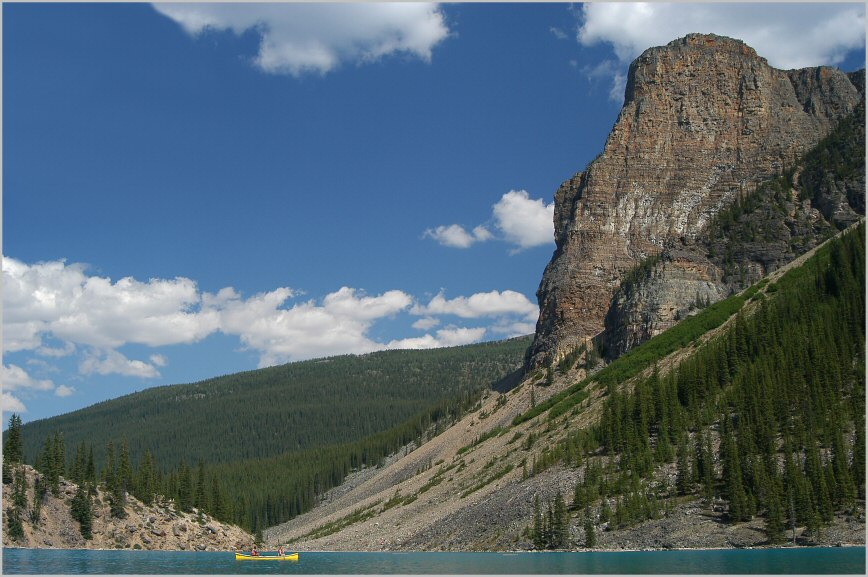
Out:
{"x": 287, "y": 557}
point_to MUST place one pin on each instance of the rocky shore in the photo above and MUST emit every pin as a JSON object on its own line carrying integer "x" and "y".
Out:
{"x": 158, "y": 526}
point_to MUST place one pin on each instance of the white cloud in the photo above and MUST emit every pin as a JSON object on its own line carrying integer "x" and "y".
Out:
{"x": 525, "y": 222}
{"x": 455, "y": 236}
{"x": 92, "y": 317}
{"x": 61, "y": 299}
{"x": 318, "y": 37}
{"x": 478, "y": 305}
{"x": 112, "y": 362}
{"x": 426, "y": 324}
{"x": 788, "y": 35}
{"x": 64, "y": 391}
{"x": 16, "y": 378}
{"x": 522, "y": 221}
{"x": 11, "y": 404}
{"x": 558, "y": 33}
{"x": 338, "y": 326}
{"x": 447, "y": 337}
{"x": 64, "y": 351}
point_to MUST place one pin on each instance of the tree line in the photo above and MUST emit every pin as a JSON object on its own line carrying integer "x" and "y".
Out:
{"x": 767, "y": 417}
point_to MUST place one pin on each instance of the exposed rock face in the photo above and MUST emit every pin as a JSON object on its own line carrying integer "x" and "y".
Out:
{"x": 674, "y": 288}
{"x": 705, "y": 119}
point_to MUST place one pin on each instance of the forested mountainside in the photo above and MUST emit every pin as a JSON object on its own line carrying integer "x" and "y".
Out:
{"x": 743, "y": 425}
{"x": 258, "y": 447}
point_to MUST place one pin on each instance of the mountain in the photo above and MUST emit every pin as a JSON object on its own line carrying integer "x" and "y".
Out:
{"x": 268, "y": 442}
{"x": 302, "y": 405}
{"x": 704, "y": 122}
{"x": 724, "y": 431}
{"x": 697, "y": 378}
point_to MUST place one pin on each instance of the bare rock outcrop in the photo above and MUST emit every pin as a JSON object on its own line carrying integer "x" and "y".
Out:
{"x": 705, "y": 119}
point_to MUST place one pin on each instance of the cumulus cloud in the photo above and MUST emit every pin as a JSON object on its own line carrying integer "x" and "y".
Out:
{"x": 93, "y": 317}
{"x": 520, "y": 220}
{"x": 14, "y": 378}
{"x": 446, "y": 337}
{"x": 317, "y": 37}
{"x": 61, "y": 299}
{"x": 64, "y": 391}
{"x": 478, "y": 305}
{"x": 455, "y": 236}
{"x": 426, "y": 323}
{"x": 112, "y": 362}
{"x": 338, "y": 325}
{"x": 11, "y": 404}
{"x": 787, "y": 35}
{"x": 525, "y": 222}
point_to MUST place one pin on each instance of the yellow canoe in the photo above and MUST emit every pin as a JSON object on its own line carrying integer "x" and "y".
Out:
{"x": 287, "y": 557}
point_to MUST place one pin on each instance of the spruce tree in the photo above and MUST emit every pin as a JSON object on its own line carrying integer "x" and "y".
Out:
{"x": 39, "y": 492}
{"x": 125, "y": 478}
{"x": 185, "y": 489}
{"x": 590, "y": 534}
{"x": 146, "y": 486}
{"x": 201, "y": 498}
{"x": 538, "y": 534}
{"x": 82, "y": 511}
{"x": 684, "y": 478}
{"x": 561, "y": 529}
{"x": 13, "y": 448}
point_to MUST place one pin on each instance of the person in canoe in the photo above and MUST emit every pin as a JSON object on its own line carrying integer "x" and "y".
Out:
{"x": 253, "y": 551}
{"x": 281, "y": 552}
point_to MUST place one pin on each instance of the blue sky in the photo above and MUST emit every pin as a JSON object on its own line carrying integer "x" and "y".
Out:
{"x": 194, "y": 190}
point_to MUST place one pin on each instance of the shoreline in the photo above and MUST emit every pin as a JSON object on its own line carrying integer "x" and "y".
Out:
{"x": 505, "y": 552}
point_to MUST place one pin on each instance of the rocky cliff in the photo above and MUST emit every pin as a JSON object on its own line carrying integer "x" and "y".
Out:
{"x": 704, "y": 122}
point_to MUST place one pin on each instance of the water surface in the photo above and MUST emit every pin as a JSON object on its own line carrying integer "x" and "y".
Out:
{"x": 831, "y": 560}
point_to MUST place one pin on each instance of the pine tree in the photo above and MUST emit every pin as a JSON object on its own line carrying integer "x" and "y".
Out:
{"x": 82, "y": 511}
{"x": 732, "y": 476}
{"x": 590, "y": 535}
{"x": 201, "y": 499}
{"x": 39, "y": 492}
{"x": 218, "y": 502}
{"x": 13, "y": 448}
{"x": 125, "y": 469}
{"x": 90, "y": 473}
{"x": 19, "y": 489}
{"x": 538, "y": 534}
{"x": 59, "y": 459}
{"x": 146, "y": 487}
{"x": 185, "y": 489}
{"x": 109, "y": 475}
{"x": 14, "y": 524}
{"x": 775, "y": 526}
{"x": 79, "y": 465}
{"x": 561, "y": 529}
{"x": 684, "y": 478}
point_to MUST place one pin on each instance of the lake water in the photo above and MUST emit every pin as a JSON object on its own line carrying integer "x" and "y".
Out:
{"x": 833, "y": 560}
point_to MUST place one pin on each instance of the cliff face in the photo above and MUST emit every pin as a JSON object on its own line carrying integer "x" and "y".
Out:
{"x": 705, "y": 119}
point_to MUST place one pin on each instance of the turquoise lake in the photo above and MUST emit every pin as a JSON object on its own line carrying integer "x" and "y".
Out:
{"x": 833, "y": 560}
